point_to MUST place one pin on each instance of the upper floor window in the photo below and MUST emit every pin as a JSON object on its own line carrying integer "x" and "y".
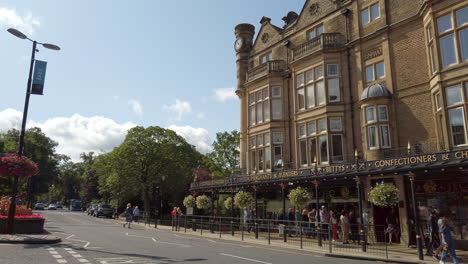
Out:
{"x": 375, "y": 71}
{"x": 370, "y": 14}
{"x": 452, "y": 31}
{"x": 430, "y": 47}
{"x": 317, "y": 143}
{"x": 456, "y": 107}
{"x": 377, "y": 127}
{"x": 265, "y": 58}
{"x": 314, "y": 86}
{"x": 259, "y": 106}
{"x": 315, "y": 32}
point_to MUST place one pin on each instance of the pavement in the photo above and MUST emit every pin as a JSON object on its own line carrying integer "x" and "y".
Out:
{"x": 87, "y": 239}
{"x": 29, "y": 239}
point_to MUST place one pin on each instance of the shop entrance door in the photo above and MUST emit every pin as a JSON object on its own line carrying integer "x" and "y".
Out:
{"x": 380, "y": 217}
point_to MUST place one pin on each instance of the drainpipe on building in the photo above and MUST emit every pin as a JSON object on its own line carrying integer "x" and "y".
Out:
{"x": 286, "y": 81}
{"x": 346, "y": 12}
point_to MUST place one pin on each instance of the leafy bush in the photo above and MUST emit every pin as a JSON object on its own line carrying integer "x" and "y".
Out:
{"x": 203, "y": 202}
{"x": 384, "y": 195}
{"x": 243, "y": 199}
{"x": 189, "y": 201}
{"x": 228, "y": 203}
{"x": 299, "y": 196}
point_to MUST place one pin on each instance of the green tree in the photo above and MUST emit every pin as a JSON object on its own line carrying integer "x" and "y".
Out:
{"x": 157, "y": 156}
{"x": 40, "y": 149}
{"x": 225, "y": 156}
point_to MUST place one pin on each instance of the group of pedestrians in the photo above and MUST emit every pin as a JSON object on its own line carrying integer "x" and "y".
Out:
{"x": 440, "y": 238}
{"x": 131, "y": 214}
{"x": 249, "y": 218}
{"x": 341, "y": 225}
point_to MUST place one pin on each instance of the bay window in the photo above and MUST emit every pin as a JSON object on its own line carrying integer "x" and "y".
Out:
{"x": 376, "y": 126}
{"x": 452, "y": 30}
{"x": 259, "y": 105}
{"x": 456, "y": 110}
{"x": 260, "y": 153}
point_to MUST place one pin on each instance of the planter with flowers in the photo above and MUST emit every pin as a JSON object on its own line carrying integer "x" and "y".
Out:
{"x": 299, "y": 197}
{"x": 243, "y": 200}
{"x": 203, "y": 202}
{"x": 384, "y": 195}
{"x": 25, "y": 222}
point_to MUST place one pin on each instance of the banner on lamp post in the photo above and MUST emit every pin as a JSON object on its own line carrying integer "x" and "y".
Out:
{"x": 39, "y": 77}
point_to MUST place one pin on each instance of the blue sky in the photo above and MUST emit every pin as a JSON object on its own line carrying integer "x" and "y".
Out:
{"x": 126, "y": 63}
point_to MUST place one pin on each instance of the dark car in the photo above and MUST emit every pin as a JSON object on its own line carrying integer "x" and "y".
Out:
{"x": 39, "y": 206}
{"x": 59, "y": 205}
{"x": 103, "y": 210}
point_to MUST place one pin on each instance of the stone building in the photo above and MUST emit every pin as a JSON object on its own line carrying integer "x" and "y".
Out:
{"x": 357, "y": 90}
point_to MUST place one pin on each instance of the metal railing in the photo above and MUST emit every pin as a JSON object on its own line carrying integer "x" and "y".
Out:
{"x": 369, "y": 240}
{"x": 273, "y": 66}
{"x": 324, "y": 41}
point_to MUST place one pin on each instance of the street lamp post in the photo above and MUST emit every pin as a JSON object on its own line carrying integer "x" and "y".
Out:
{"x": 19, "y": 34}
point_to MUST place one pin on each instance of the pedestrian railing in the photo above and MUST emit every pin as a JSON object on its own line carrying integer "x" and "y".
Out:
{"x": 354, "y": 239}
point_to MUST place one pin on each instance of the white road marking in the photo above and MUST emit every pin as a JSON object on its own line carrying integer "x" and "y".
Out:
{"x": 169, "y": 243}
{"x": 77, "y": 256}
{"x": 61, "y": 260}
{"x": 57, "y": 256}
{"x": 249, "y": 259}
{"x": 83, "y": 260}
{"x": 53, "y": 252}
{"x": 127, "y": 260}
{"x": 70, "y": 238}
{"x": 211, "y": 240}
{"x": 71, "y": 251}
{"x": 51, "y": 249}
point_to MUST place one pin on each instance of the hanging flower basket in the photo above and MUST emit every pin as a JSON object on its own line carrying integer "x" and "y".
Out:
{"x": 203, "y": 202}
{"x": 14, "y": 166}
{"x": 299, "y": 196}
{"x": 189, "y": 201}
{"x": 384, "y": 195}
{"x": 243, "y": 200}
{"x": 228, "y": 203}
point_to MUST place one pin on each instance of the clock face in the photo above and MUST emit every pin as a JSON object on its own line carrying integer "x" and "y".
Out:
{"x": 238, "y": 44}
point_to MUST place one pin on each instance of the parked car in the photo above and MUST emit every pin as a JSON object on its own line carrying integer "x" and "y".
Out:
{"x": 52, "y": 207}
{"x": 59, "y": 205}
{"x": 39, "y": 206}
{"x": 91, "y": 208}
{"x": 103, "y": 210}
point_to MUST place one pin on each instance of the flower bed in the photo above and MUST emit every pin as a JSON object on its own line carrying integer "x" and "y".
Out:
{"x": 24, "y": 224}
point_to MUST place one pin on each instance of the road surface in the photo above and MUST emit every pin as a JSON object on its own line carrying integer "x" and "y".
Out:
{"x": 103, "y": 241}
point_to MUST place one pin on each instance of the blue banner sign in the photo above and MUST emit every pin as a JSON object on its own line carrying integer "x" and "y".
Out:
{"x": 39, "y": 77}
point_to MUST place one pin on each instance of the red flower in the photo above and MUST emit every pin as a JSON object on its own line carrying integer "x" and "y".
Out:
{"x": 22, "y": 167}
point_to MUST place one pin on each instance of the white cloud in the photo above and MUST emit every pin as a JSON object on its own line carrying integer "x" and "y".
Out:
{"x": 75, "y": 134}
{"x": 9, "y": 17}
{"x": 180, "y": 108}
{"x": 224, "y": 94}
{"x": 196, "y": 136}
{"x": 137, "y": 107}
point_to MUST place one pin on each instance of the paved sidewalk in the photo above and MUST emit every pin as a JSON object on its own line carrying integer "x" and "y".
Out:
{"x": 29, "y": 239}
{"x": 396, "y": 253}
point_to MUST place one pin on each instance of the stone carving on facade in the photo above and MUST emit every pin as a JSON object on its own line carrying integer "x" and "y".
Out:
{"x": 314, "y": 9}
{"x": 373, "y": 53}
{"x": 338, "y": 2}
{"x": 265, "y": 37}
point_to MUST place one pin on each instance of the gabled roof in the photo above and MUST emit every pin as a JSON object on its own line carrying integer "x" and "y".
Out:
{"x": 268, "y": 28}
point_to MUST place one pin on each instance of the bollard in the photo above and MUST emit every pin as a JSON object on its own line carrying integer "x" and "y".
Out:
{"x": 185, "y": 225}
{"x": 242, "y": 232}
{"x": 219, "y": 227}
{"x": 319, "y": 235}
{"x": 232, "y": 228}
{"x": 201, "y": 226}
{"x": 300, "y": 233}
{"x": 256, "y": 230}
{"x": 269, "y": 238}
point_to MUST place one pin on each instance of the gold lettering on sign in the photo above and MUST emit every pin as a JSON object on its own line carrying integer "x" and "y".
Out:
{"x": 406, "y": 160}
{"x": 373, "y": 53}
{"x": 461, "y": 154}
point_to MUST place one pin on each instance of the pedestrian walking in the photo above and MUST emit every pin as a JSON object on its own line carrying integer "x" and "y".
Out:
{"x": 304, "y": 223}
{"x": 344, "y": 222}
{"x": 334, "y": 226}
{"x": 128, "y": 215}
{"x": 392, "y": 225}
{"x": 313, "y": 222}
{"x": 354, "y": 227}
{"x": 290, "y": 223}
{"x": 280, "y": 219}
{"x": 136, "y": 214}
{"x": 447, "y": 243}
{"x": 325, "y": 222}
{"x": 433, "y": 228}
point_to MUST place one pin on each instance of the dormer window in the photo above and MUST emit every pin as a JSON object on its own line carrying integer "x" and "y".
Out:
{"x": 315, "y": 32}
{"x": 265, "y": 58}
